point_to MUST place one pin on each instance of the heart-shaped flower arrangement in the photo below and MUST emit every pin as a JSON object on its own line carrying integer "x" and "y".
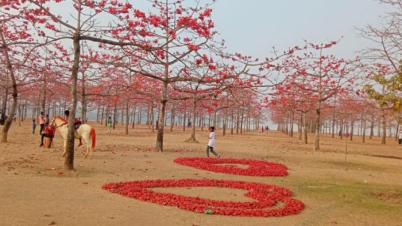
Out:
{"x": 267, "y": 197}
{"x": 256, "y": 167}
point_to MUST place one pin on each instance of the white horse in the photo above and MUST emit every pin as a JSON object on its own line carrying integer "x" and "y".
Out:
{"x": 85, "y": 132}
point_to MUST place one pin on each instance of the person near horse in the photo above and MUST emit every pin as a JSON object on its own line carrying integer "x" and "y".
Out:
{"x": 41, "y": 122}
{"x": 47, "y": 120}
{"x": 77, "y": 124}
{"x": 49, "y": 131}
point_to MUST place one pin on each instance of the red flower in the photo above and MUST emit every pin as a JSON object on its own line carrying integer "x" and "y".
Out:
{"x": 256, "y": 167}
{"x": 265, "y": 204}
{"x": 193, "y": 47}
{"x": 198, "y": 61}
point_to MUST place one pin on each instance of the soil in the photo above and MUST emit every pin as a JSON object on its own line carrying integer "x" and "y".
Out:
{"x": 36, "y": 190}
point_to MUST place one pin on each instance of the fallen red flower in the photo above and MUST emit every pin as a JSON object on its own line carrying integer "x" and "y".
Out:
{"x": 256, "y": 167}
{"x": 266, "y": 196}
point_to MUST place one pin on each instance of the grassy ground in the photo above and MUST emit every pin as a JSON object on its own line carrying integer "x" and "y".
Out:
{"x": 365, "y": 190}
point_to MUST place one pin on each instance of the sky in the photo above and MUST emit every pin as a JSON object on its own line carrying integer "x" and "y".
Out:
{"x": 253, "y": 27}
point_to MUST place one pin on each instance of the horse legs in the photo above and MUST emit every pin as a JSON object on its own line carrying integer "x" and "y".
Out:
{"x": 86, "y": 153}
{"x": 88, "y": 145}
{"x": 92, "y": 151}
{"x": 65, "y": 145}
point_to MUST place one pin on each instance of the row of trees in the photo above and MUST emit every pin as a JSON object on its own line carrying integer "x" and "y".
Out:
{"x": 342, "y": 95}
{"x": 108, "y": 55}
{"x": 169, "y": 62}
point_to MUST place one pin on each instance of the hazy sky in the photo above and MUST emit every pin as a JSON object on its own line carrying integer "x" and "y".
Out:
{"x": 254, "y": 26}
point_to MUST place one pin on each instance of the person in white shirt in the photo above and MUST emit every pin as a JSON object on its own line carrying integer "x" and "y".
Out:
{"x": 400, "y": 136}
{"x": 211, "y": 142}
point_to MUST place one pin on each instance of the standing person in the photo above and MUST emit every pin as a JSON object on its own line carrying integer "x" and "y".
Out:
{"x": 41, "y": 122}
{"x": 2, "y": 118}
{"x": 211, "y": 142}
{"x": 15, "y": 117}
{"x": 47, "y": 120}
{"x": 109, "y": 125}
{"x": 262, "y": 129}
{"x": 77, "y": 123}
{"x": 400, "y": 136}
{"x": 33, "y": 126}
{"x": 48, "y": 132}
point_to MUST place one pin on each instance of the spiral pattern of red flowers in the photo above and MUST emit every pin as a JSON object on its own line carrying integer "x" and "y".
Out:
{"x": 256, "y": 167}
{"x": 265, "y": 205}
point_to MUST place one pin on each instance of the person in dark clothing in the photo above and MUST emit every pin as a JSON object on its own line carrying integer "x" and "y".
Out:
{"x": 47, "y": 120}
{"x": 77, "y": 124}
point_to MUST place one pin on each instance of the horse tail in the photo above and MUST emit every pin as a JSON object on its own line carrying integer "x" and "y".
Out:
{"x": 93, "y": 137}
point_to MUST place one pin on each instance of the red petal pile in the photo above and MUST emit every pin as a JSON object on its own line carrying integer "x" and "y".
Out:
{"x": 256, "y": 167}
{"x": 266, "y": 196}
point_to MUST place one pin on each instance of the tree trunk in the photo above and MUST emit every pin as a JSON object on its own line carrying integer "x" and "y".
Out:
{"x": 127, "y": 118}
{"x": 83, "y": 100}
{"x": 101, "y": 116}
{"x": 384, "y": 128}
{"x": 192, "y": 138}
{"x": 299, "y": 127}
{"x": 162, "y": 107}
{"x": 115, "y": 116}
{"x": 333, "y": 124}
{"x": 292, "y": 123}
{"x": 305, "y": 128}
{"x": 172, "y": 118}
{"x": 98, "y": 114}
{"x": 43, "y": 102}
{"x": 122, "y": 116}
{"x": 224, "y": 125}
{"x": 184, "y": 118}
{"x": 372, "y": 127}
{"x": 232, "y": 119}
{"x": 14, "y": 94}
{"x": 107, "y": 115}
{"x": 134, "y": 114}
{"x": 379, "y": 127}
{"x": 352, "y": 126}
{"x": 69, "y": 159}
{"x": 139, "y": 116}
{"x": 152, "y": 119}
{"x": 364, "y": 130}
{"x": 237, "y": 121}
{"x": 5, "y": 98}
{"x": 19, "y": 115}
{"x": 317, "y": 127}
